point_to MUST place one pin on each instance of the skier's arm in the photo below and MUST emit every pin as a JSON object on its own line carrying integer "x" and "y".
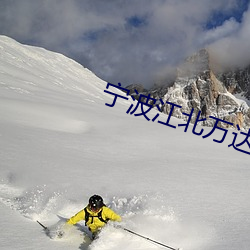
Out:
{"x": 110, "y": 214}
{"x": 77, "y": 217}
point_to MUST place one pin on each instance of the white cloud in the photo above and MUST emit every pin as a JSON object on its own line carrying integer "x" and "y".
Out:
{"x": 228, "y": 28}
{"x": 233, "y": 50}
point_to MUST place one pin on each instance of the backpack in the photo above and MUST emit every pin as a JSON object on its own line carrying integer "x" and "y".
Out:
{"x": 88, "y": 216}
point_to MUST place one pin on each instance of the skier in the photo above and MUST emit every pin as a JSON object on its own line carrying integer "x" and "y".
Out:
{"x": 95, "y": 214}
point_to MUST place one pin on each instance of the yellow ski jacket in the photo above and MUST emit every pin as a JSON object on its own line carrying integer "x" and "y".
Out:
{"x": 94, "y": 223}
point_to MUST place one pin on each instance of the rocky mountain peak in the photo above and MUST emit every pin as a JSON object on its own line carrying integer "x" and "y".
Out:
{"x": 198, "y": 88}
{"x": 197, "y": 64}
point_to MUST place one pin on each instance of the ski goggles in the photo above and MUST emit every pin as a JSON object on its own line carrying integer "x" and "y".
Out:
{"x": 94, "y": 208}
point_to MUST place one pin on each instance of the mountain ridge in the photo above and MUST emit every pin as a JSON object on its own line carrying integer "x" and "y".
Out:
{"x": 199, "y": 87}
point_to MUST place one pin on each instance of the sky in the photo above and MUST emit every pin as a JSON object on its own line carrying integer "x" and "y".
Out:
{"x": 135, "y": 41}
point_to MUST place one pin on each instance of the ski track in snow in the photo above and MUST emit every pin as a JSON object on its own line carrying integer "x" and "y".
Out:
{"x": 42, "y": 116}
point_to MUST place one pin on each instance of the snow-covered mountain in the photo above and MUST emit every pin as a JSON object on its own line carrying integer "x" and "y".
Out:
{"x": 199, "y": 86}
{"x": 237, "y": 81}
{"x": 60, "y": 144}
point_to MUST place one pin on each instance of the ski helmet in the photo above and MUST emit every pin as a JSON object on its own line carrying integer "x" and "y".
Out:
{"x": 95, "y": 202}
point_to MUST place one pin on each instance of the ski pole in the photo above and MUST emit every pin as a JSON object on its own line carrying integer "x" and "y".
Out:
{"x": 45, "y": 228}
{"x": 146, "y": 238}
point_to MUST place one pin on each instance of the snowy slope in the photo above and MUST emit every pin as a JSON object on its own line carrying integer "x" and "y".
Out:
{"x": 60, "y": 144}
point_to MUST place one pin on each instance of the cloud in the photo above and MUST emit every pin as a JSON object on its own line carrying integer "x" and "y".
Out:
{"x": 228, "y": 28}
{"x": 124, "y": 41}
{"x": 232, "y": 50}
